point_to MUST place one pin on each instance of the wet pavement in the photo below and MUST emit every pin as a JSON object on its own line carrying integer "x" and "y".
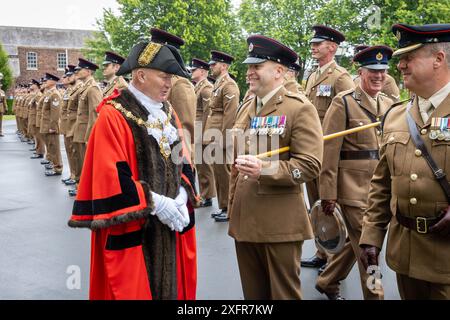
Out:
{"x": 41, "y": 257}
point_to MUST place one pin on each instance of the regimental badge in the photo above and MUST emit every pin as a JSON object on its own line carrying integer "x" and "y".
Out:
{"x": 55, "y": 102}
{"x": 398, "y": 35}
{"x": 46, "y": 99}
{"x": 250, "y": 47}
{"x": 379, "y": 56}
{"x": 296, "y": 173}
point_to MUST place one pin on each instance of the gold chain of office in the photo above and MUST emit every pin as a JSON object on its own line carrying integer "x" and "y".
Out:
{"x": 163, "y": 144}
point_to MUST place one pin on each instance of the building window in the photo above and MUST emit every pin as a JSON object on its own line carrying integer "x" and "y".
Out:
{"x": 61, "y": 61}
{"x": 32, "y": 61}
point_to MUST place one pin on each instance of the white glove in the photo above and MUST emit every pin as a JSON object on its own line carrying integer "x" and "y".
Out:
{"x": 167, "y": 212}
{"x": 181, "y": 201}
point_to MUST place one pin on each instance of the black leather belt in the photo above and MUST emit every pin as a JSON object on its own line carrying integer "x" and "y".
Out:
{"x": 360, "y": 155}
{"x": 124, "y": 241}
{"x": 418, "y": 224}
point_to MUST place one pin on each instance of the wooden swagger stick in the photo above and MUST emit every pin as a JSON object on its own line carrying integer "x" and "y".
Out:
{"x": 327, "y": 137}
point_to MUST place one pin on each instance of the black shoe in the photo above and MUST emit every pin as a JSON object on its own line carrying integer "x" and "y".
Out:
{"x": 65, "y": 179}
{"x": 37, "y": 156}
{"x": 50, "y": 173}
{"x": 330, "y": 296}
{"x": 70, "y": 182}
{"x": 223, "y": 217}
{"x": 322, "y": 269}
{"x": 34, "y": 149}
{"x": 218, "y": 213}
{"x": 30, "y": 142}
{"x": 206, "y": 203}
{"x": 49, "y": 166}
{"x": 313, "y": 262}
{"x": 45, "y": 161}
{"x": 1, "y": 135}
{"x": 72, "y": 192}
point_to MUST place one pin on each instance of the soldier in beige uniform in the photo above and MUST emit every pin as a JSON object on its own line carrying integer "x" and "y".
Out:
{"x": 40, "y": 141}
{"x": 390, "y": 87}
{"x": 321, "y": 87}
{"x": 349, "y": 163}
{"x": 90, "y": 95}
{"x": 71, "y": 106}
{"x": 3, "y": 104}
{"x": 182, "y": 95}
{"x": 39, "y": 149}
{"x": 222, "y": 112}
{"x": 51, "y": 110}
{"x": 268, "y": 217}
{"x": 111, "y": 65}
{"x": 408, "y": 199}
{"x": 203, "y": 90}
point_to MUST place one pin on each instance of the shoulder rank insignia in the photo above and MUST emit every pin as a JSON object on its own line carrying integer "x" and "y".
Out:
{"x": 55, "y": 102}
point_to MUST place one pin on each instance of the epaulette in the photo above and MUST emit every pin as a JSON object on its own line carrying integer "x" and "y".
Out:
{"x": 400, "y": 103}
{"x": 296, "y": 95}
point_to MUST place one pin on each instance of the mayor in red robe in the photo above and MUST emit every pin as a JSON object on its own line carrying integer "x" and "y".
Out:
{"x": 140, "y": 248}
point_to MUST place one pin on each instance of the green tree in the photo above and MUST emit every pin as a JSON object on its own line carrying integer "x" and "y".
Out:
{"x": 204, "y": 25}
{"x": 5, "y": 70}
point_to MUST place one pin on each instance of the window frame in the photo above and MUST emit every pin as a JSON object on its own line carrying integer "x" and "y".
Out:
{"x": 35, "y": 58}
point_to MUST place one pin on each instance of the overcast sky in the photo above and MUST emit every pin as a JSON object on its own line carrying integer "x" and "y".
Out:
{"x": 77, "y": 14}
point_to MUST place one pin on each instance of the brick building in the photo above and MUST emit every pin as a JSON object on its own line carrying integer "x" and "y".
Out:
{"x": 34, "y": 51}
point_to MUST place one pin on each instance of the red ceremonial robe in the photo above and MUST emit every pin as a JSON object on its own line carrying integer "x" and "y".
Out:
{"x": 133, "y": 255}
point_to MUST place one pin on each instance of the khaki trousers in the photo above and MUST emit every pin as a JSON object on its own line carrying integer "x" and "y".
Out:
{"x": 40, "y": 143}
{"x": 270, "y": 271}
{"x": 54, "y": 151}
{"x": 312, "y": 188}
{"x": 340, "y": 264}
{"x": 79, "y": 150}
{"x": 68, "y": 144}
{"x": 415, "y": 289}
{"x": 206, "y": 179}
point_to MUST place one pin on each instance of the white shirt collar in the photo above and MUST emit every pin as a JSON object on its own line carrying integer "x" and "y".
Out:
{"x": 146, "y": 101}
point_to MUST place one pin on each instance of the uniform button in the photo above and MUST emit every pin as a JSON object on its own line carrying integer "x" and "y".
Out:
{"x": 423, "y": 131}
{"x": 361, "y": 123}
{"x": 391, "y": 139}
{"x": 414, "y": 177}
{"x": 418, "y": 153}
{"x": 378, "y": 119}
{"x": 378, "y": 133}
{"x": 413, "y": 201}
{"x": 245, "y": 177}
{"x": 248, "y": 142}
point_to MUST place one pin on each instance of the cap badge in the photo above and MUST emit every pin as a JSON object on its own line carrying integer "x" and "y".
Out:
{"x": 398, "y": 35}
{"x": 250, "y": 47}
{"x": 149, "y": 54}
{"x": 379, "y": 56}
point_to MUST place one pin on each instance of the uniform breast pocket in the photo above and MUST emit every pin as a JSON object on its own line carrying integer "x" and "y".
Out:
{"x": 363, "y": 136}
{"x": 440, "y": 151}
{"x": 396, "y": 150}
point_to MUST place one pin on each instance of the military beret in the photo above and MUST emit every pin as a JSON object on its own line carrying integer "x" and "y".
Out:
{"x": 164, "y": 37}
{"x": 376, "y": 57}
{"x": 413, "y": 37}
{"x": 112, "y": 57}
{"x": 262, "y": 48}
{"x": 199, "y": 64}
{"x": 163, "y": 57}
{"x": 322, "y": 33}
{"x": 85, "y": 64}
{"x": 218, "y": 56}
{"x": 49, "y": 76}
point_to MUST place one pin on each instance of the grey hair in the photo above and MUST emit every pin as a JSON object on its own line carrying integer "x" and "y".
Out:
{"x": 444, "y": 46}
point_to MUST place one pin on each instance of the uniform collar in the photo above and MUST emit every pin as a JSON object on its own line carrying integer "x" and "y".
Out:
{"x": 438, "y": 97}
{"x": 326, "y": 66}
